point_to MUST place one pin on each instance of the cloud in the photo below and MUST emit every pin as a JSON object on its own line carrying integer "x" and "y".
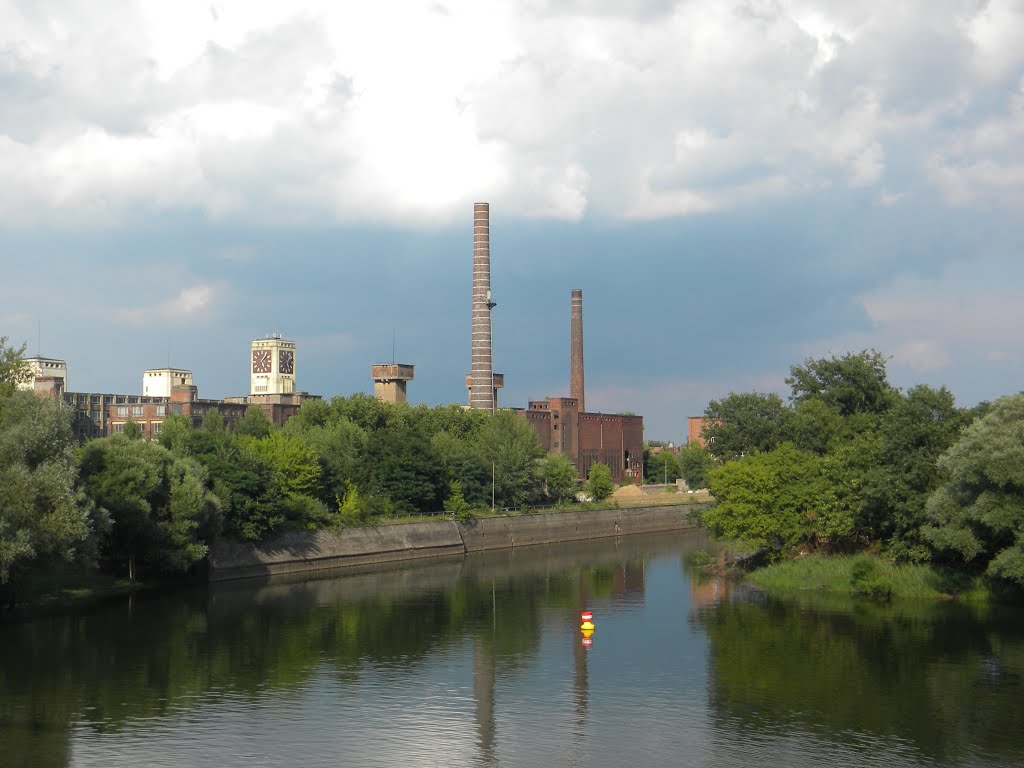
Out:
{"x": 189, "y": 305}
{"x": 932, "y": 325}
{"x": 320, "y": 113}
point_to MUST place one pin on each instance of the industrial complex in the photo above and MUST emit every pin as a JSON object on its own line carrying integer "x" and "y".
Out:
{"x": 563, "y": 424}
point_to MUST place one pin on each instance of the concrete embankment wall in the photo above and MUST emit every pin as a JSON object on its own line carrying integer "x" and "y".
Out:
{"x": 299, "y": 551}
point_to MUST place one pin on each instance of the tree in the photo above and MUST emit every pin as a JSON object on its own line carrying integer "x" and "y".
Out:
{"x": 244, "y": 481}
{"x": 918, "y": 428}
{"x": 159, "y": 505}
{"x": 510, "y": 445}
{"x": 854, "y": 383}
{"x": 694, "y": 464}
{"x": 399, "y": 464}
{"x": 775, "y": 500}
{"x": 176, "y": 434}
{"x": 133, "y": 430}
{"x": 977, "y": 516}
{"x": 744, "y": 423}
{"x": 293, "y": 460}
{"x": 43, "y": 514}
{"x": 254, "y": 424}
{"x": 560, "y": 477}
{"x": 13, "y": 368}
{"x": 599, "y": 482}
{"x": 338, "y": 444}
{"x": 661, "y": 467}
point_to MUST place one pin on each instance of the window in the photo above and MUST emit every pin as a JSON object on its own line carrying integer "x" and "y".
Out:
{"x": 119, "y": 427}
{"x": 556, "y": 426}
{"x": 94, "y": 415}
{"x": 122, "y": 410}
{"x": 136, "y": 410}
{"x": 161, "y": 410}
{"x": 156, "y": 427}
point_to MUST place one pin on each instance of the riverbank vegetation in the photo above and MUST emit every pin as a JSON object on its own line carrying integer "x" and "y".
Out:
{"x": 130, "y": 507}
{"x": 853, "y": 464}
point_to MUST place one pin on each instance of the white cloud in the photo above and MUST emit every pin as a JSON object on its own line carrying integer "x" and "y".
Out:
{"x": 969, "y": 311}
{"x": 315, "y": 112}
{"x": 190, "y": 304}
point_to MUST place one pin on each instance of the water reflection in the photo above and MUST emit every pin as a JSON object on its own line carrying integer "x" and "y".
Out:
{"x": 942, "y": 681}
{"x": 479, "y": 661}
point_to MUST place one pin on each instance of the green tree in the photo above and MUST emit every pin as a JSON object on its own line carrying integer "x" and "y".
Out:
{"x": 398, "y": 464}
{"x": 560, "y": 477}
{"x": 254, "y": 424}
{"x": 599, "y": 484}
{"x": 245, "y": 482}
{"x": 13, "y": 368}
{"x": 159, "y": 505}
{"x": 176, "y": 434}
{"x": 977, "y": 516}
{"x": 338, "y": 444}
{"x": 854, "y": 383}
{"x": 510, "y": 445}
{"x": 463, "y": 462}
{"x": 695, "y": 461}
{"x": 133, "y": 430}
{"x": 43, "y": 515}
{"x": 744, "y": 423}
{"x": 294, "y": 461}
{"x": 661, "y": 467}
{"x": 775, "y": 500}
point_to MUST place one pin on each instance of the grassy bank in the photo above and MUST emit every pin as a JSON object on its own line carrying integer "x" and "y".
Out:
{"x": 867, "y": 575}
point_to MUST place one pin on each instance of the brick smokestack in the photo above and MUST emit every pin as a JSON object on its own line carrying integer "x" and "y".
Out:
{"x": 481, "y": 383}
{"x": 576, "y": 348}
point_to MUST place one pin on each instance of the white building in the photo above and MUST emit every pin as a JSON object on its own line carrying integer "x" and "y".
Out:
{"x": 272, "y": 366}
{"x": 46, "y": 367}
{"x": 158, "y": 382}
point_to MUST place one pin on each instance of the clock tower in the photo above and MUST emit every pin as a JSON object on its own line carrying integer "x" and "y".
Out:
{"x": 272, "y": 366}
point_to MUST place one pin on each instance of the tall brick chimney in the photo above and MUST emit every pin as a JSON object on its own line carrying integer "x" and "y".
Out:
{"x": 576, "y": 348}
{"x": 481, "y": 386}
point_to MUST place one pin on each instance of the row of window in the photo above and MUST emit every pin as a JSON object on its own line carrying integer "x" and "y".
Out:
{"x": 137, "y": 410}
{"x": 155, "y": 427}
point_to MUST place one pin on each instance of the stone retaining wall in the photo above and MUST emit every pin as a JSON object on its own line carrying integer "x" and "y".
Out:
{"x": 299, "y": 551}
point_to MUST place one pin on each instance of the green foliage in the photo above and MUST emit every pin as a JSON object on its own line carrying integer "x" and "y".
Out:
{"x": 457, "y": 505}
{"x": 43, "y": 515}
{"x": 777, "y": 500}
{"x": 695, "y": 461}
{"x": 294, "y": 461}
{"x": 13, "y": 368}
{"x": 560, "y": 477}
{"x": 977, "y": 516}
{"x": 510, "y": 444}
{"x": 245, "y": 481}
{"x": 744, "y": 423}
{"x": 463, "y": 462}
{"x": 133, "y": 430}
{"x": 599, "y": 484}
{"x": 176, "y": 434}
{"x": 254, "y": 424}
{"x": 398, "y": 464}
{"x": 158, "y": 504}
{"x": 661, "y": 467}
{"x": 854, "y": 383}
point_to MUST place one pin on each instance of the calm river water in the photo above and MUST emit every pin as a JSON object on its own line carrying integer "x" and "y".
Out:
{"x": 480, "y": 662}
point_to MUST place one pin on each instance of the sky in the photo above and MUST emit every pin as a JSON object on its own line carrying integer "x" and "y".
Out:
{"x": 735, "y": 186}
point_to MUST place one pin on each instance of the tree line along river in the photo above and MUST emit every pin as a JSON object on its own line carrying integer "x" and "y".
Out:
{"x": 480, "y": 661}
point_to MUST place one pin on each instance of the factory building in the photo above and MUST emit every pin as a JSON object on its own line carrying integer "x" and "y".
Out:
{"x": 167, "y": 391}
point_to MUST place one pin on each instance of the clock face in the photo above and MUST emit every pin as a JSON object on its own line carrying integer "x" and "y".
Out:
{"x": 286, "y": 361}
{"x": 261, "y": 361}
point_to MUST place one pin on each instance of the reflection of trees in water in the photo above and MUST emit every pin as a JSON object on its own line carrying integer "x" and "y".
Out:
{"x": 941, "y": 676}
{"x": 154, "y": 655}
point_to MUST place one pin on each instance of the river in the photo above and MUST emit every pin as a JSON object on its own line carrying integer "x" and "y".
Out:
{"x": 480, "y": 661}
